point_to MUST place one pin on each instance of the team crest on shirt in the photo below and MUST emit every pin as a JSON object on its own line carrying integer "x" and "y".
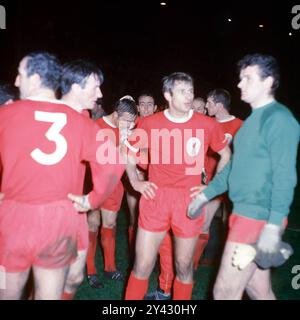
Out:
{"x": 228, "y": 138}
{"x": 193, "y": 146}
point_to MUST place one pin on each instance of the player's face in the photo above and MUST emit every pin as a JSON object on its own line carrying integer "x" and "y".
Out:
{"x": 22, "y": 80}
{"x": 211, "y": 107}
{"x": 252, "y": 86}
{"x": 90, "y": 93}
{"x": 126, "y": 121}
{"x": 180, "y": 102}
{"x": 199, "y": 106}
{"x": 146, "y": 106}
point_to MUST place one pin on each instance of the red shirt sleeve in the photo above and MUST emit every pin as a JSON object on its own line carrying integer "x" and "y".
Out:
{"x": 106, "y": 164}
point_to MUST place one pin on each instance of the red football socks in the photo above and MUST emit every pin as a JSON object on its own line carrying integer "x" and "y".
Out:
{"x": 136, "y": 288}
{"x": 108, "y": 241}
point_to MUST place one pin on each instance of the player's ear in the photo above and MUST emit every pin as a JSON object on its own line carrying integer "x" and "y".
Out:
{"x": 219, "y": 105}
{"x": 155, "y": 108}
{"x": 167, "y": 96}
{"x": 35, "y": 80}
{"x": 268, "y": 82}
{"x": 76, "y": 88}
{"x": 9, "y": 101}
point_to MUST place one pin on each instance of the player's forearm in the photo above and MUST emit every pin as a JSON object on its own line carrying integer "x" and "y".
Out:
{"x": 219, "y": 184}
{"x": 225, "y": 155}
{"x": 131, "y": 170}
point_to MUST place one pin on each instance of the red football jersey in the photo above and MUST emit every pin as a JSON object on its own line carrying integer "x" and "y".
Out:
{"x": 176, "y": 147}
{"x": 230, "y": 127}
{"x": 42, "y": 145}
{"x": 110, "y": 129}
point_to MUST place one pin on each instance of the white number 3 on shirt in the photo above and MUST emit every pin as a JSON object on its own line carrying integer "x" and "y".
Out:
{"x": 59, "y": 120}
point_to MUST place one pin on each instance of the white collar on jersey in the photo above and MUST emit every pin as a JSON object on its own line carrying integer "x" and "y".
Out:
{"x": 227, "y": 119}
{"x": 178, "y": 120}
{"x": 108, "y": 122}
{"x": 38, "y": 98}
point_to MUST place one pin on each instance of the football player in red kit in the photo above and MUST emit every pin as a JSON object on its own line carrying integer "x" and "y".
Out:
{"x": 117, "y": 126}
{"x": 80, "y": 87}
{"x": 146, "y": 106}
{"x": 177, "y": 142}
{"x": 41, "y": 166}
{"x": 218, "y": 106}
{"x": 166, "y": 276}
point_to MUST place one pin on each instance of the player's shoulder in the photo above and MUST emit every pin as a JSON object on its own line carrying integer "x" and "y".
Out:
{"x": 279, "y": 112}
{"x": 99, "y": 122}
{"x": 204, "y": 120}
{"x": 237, "y": 120}
{"x": 151, "y": 120}
{"x": 154, "y": 117}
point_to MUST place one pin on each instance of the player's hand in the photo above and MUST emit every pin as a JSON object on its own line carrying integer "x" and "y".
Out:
{"x": 243, "y": 255}
{"x": 146, "y": 188}
{"x": 268, "y": 243}
{"x": 140, "y": 174}
{"x": 80, "y": 203}
{"x": 269, "y": 239}
{"x": 197, "y": 190}
{"x": 195, "y": 208}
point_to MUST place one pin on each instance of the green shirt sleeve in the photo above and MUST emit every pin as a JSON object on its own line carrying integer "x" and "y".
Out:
{"x": 282, "y": 136}
{"x": 219, "y": 184}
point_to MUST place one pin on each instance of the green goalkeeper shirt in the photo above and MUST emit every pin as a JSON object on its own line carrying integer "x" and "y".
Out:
{"x": 261, "y": 175}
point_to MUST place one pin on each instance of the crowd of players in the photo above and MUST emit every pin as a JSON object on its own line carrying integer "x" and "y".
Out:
{"x": 63, "y": 164}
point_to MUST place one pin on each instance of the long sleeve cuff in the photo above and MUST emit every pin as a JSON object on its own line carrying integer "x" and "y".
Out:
{"x": 276, "y": 218}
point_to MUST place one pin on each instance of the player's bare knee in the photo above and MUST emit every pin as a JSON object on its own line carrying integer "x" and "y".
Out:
{"x": 94, "y": 221}
{"x": 142, "y": 269}
{"x": 110, "y": 224}
{"x": 184, "y": 269}
{"x": 225, "y": 291}
{"x": 75, "y": 280}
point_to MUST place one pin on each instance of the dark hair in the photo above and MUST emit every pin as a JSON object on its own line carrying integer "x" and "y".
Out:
{"x": 169, "y": 81}
{"x": 78, "y": 71}
{"x": 267, "y": 64}
{"x": 7, "y": 92}
{"x": 126, "y": 105}
{"x": 221, "y": 96}
{"x": 47, "y": 66}
{"x": 199, "y": 99}
{"x": 146, "y": 94}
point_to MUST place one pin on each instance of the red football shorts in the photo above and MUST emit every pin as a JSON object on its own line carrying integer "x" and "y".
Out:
{"x": 42, "y": 235}
{"x": 245, "y": 230}
{"x": 114, "y": 201}
{"x": 168, "y": 210}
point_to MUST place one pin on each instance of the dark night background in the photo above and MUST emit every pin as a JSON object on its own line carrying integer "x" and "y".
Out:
{"x": 138, "y": 42}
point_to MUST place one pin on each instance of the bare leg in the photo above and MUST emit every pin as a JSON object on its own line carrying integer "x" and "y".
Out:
{"x": 93, "y": 219}
{"x": 184, "y": 254}
{"x": 76, "y": 273}
{"x": 259, "y": 286}
{"x": 14, "y": 284}
{"x": 231, "y": 282}
{"x": 132, "y": 202}
{"x": 146, "y": 247}
{"x": 210, "y": 211}
{"x": 49, "y": 283}
{"x": 109, "y": 219}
